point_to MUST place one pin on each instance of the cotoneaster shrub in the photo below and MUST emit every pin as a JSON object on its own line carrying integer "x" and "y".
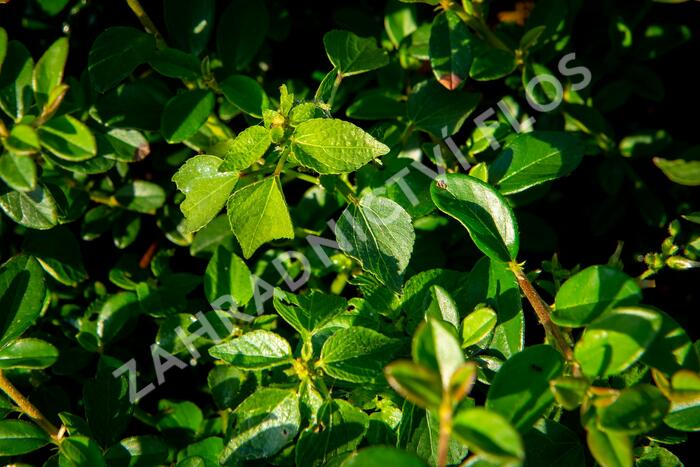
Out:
{"x": 348, "y": 233}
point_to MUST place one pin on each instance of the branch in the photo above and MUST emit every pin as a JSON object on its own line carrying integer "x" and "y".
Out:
{"x": 542, "y": 311}
{"x": 29, "y": 408}
{"x": 141, "y": 14}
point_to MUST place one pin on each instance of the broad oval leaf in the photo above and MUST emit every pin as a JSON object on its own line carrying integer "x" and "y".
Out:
{"x": 488, "y": 433}
{"x": 258, "y": 213}
{"x": 76, "y": 451}
{"x": 533, "y": 158}
{"x": 352, "y": 55}
{"x": 190, "y": 24}
{"x": 310, "y": 312}
{"x": 635, "y": 411}
{"x": 589, "y": 293}
{"x": 616, "y": 340}
{"x": 450, "y": 50}
{"x": 609, "y": 448}
{"x": 19, "y": 172}
{"x": 266, "y": 421}
{"x": 520, "y": 391}
{"x": 185, "y": 113}
{"x": 378, "y": 233}
{"x": 228, "y": 275}
{"x": 416, "y": 383}
{"x": 254, "y": 350}
{"x": 19, "y": 437}
{"x": 477, "y": 325}
{"x": 28, "y": 353}
{"x": 331, "y": 146}
{"x": 68, "y": 138}
{"x": 35, "y": 209}
{"x": 482, "y": 211}
{"x": 434, "y": 109}
{"x": 48, "y": 72}
{"x": 22, "y": 294}
{"x": 435, "y": 346}
{"x": 16, "y": 81}
{"x": 116, "y": 53}
{"x": 357, "y": 355}
{"x": 58, "y": 252}
{"x": 241, "y": 32}
{"x": 206, "y": 189}
{"x": 246, "y": 94}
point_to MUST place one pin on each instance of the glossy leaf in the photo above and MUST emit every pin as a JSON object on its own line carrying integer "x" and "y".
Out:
{"x": 378, "y": 233}
{"x": 591, "y": 292}
{"x": 22, "y": 293}
{"x": 450, "y": 51}
{"x": 185, "y": 113}
{"x": 48, "y": 72}
{"x": 116, "y": 53}
{"x": 68, "y": 138}
{"x": 482, "y": 211}
{"x": 16, "y": 81}
{"x": 19, "y": 437}
{"x": 206, "y": 189}
{"x": 488, "y": 433}
{"x": 434, "y": 109}
{"x": 246, "y": 94}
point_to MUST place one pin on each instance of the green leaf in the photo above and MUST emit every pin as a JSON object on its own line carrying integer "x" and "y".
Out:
{"x": 3, "y": 45}
{"x": 616, "y": 340}
{"x": 609, "y": 449}
{"x": 589, "y": 293}
{"x": 138, "y": 451}
{"x": 19, "y": 172}
{"x": 340, "y": 428}
{"x": 254, "y": 350}
{"x": 520, "y": 391}
{"x": 35, "y": 209}
{"x": 22, "y": 293}
{"x": 48, "y": 72}
{"x": 477, "y": 325}
{"x": 569, "y": 391}
{"x": 683, "y": 172}
{"x": 450, "y": 52}
{"x": 489, "y": 434}
{"x": 635, "y": 411}
{"x": 378, "y": 233}
{"x": 107, "y": 406}
{"x": 141, "y": 196}
{"x": 16, "y": 81}
{"x": 533, "y": 158}
{"x": 435, "y": 346}
{"x": 416, "y": 383}
{"x": 421, "y": 429}
{"x": 227, "y": 274}
{"x": 246, "y": 94}
{"x": 18, "y": 437}
{"x": 174, "y": 63}
{"x": 656, "y": 456}
{"x": 28, "y": 353}
{"x": 482, "y": 211}
{"x": 352, "y": 55}
{"x": 309, "y": 313}
{"x": 434, "y": 109}
{"x": 442, "y": 306}
{"x": 266, "y": 421}
{"x": 357, "y": 354}
{"x": 80, "y": 451}
{"x": 185, "y": 113}
{"x": 181, "y": 418}
{"x": 331, "y": 146}
{"x": 493, "y": 283}
{"x": 399, "y": 21}
{"x": 249, "y": 146}
{"x": 189, "y": 24}
{"x": 551, "y": 444}
{"x": 241, "y": 32}
{"x": 206, "y": 189}
{"x": 23, "y": 140}
{"x": 59, "y": 254}
{"x": 116, "y": 53}
{"x": 378, "y": 104}
{"x": 672, "y": 349}
{"x": 490, "y": 63}
{"x": 68, "y": 138}
{"x": 258, "y": 213}
{"x": 382, "y": 456}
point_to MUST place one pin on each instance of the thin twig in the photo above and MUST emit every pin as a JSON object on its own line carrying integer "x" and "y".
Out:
{"x": 141, "y": 14}
{"x": 28, "y": 408}
{"x": 542, "y": 311}
{"x": 445, "y": 412}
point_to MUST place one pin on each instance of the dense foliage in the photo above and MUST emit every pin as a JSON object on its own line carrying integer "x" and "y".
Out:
{"x": 363, "y": 233}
